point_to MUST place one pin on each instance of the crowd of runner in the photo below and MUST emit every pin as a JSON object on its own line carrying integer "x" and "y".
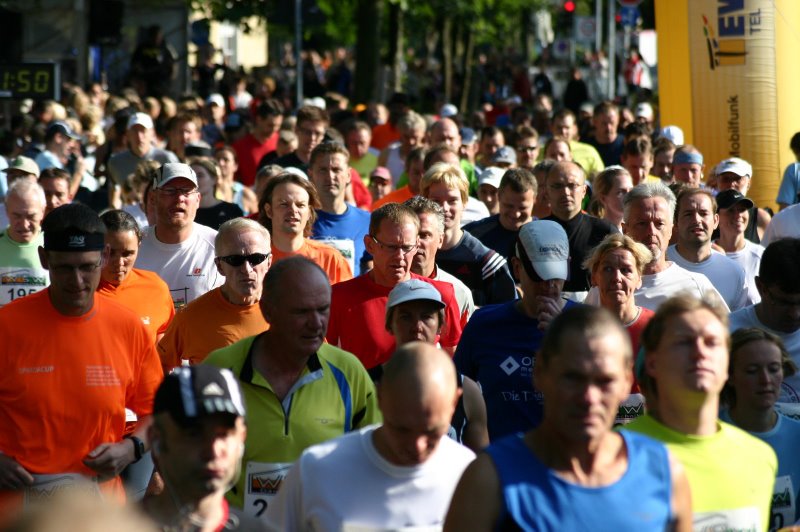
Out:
{"x": 244, "y": 317}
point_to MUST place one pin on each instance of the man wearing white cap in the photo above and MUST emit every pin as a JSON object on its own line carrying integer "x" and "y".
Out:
{"x": 177, "y": 248}
{"x": 139, "y": 134}
{"x": 499, "y": 344}
{"x": 644, "y": 114}
{"x": 213, "y": 130}
{"x": 736, "y": 174}
{"x": 488, "y": 183}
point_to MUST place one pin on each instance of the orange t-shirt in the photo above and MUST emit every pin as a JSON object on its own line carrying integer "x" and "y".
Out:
{"x": 395, "y": 196}
{"x": 327, "y": 257}
{"x": 205, "y": 324}
{"x": 383, "y": 135}
{"x": 66, "y": 381}
{"x": 147, "y": 296}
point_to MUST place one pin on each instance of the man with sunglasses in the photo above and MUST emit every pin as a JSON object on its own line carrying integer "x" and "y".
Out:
{"x": 229, "y": 312}
{"x": 779, "y": 310}
{"x": 71, "y": 362}
{"x": 177, "y": 248}
{"x": 358, "y": 306}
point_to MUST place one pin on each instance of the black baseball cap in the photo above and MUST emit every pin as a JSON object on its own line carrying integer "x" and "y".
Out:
{"x": 190, "y": 393}
{"x": 730, "y": 197}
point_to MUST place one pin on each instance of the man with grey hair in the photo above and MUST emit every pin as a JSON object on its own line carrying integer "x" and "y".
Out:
{"x": 229, "y": 312}
{"x": 177, "y": 248}
{"x": 412, "y": 134}
{"x": 431, "y": 238}
{"x": 648, "y": 214}
{"x": 21, "y": 273}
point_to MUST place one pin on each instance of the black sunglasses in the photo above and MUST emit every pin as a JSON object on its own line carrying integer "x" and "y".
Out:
{"x": 237, "y": 260}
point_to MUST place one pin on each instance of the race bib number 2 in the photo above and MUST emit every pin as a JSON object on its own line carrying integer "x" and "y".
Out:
{"x": 262, "y": 484}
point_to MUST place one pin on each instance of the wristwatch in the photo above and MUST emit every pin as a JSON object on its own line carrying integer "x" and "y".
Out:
{"x": 138, "y": 448}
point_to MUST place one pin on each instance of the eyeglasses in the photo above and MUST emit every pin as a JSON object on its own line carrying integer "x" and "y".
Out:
{"x": 527, "y": 148}
{"x": 406, "y": 249}
{"x": 67, "y": 269}
{"x": 237, "y": 260}
{"x": 177, "y": 191}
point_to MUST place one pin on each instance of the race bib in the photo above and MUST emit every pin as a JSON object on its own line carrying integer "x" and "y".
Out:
{"x": 347, "y": 248}
{"x": 630, "y": 409}
{"x": 782, "y": 511}
{"x": 748, "y": 518}
{"x": 46, "y": 487}
{"x": 261, "y": 486}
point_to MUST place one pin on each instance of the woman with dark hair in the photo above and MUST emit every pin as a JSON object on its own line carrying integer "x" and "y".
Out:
{"x": 213, "y": 212}
{"x": 230, "y": 190}
{"x": 758, "y": 364}
{"x": 141, "y": 291}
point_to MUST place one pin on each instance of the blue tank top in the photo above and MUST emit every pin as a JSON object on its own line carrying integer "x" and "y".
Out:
{"x": 534, "y": 498}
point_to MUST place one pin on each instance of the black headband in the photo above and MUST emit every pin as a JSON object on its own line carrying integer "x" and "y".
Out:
{"x": 73, "y": 240}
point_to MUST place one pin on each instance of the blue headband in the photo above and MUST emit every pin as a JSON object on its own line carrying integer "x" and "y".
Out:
{"x": 683, "y": 157}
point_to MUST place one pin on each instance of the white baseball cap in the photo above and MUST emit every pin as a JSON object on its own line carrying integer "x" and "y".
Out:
{"x": 414, "y": 290}
{"x": 448, "y": 110}
{"x": 140, "y": 119}
{"x": 491, "y": 176}
{"x": 170, "y": 171}
{"x": 735, "y": 165}
{"x": 673, "y": 133}
{"x": 543, "y": 244}
{"x": 645, "y": 110}
{"x": 215, "y": 99}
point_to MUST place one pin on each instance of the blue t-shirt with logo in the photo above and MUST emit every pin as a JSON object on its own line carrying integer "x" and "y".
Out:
{"x": 497, "y": 349}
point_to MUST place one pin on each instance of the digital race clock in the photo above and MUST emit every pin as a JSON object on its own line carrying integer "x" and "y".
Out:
{"x": 40, "y": 81}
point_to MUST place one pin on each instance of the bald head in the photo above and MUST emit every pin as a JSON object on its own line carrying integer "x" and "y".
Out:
{"x": 417, "y": 396}
{"x": 445, "y": 131}
{"x": 420, "y": 367}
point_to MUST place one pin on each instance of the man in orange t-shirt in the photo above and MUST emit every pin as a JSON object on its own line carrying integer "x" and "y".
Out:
{"x": 70, "y": 364}
{"x": 141, "y": 291}
{"x": 230, "y": 312}
{"x": 291, "y": 204}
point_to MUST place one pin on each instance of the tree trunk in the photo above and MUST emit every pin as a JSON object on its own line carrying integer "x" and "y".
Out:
{"x": 368, "y": 47}
{"x": 396, "y": 45}
{"x": 466, "y": 88}
{"x": 447, "y": 55}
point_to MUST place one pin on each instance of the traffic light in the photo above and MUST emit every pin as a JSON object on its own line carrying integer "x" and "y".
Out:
{"x": 569, "y": 6}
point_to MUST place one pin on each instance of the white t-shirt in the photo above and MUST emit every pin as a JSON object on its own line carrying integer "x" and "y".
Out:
{"x": 188, "y": 267}
{"x": 658, "y": 287}
{"x": 785, "y": 224}
{"x": 749, "y": 258}
{"x": 462, "y": 291}
{"x": 345, "y": 484}
{"x": 746, "y": 317}
{"x": 474, "y": 210}
{"x": 725, "y": 274}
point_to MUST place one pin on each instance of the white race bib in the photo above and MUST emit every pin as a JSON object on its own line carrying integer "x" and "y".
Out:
{"x": 782, "y": 511}
{"x": 261, "y": 485}
{"x": 348, "y": 250}
{"x": 46, "y": 487}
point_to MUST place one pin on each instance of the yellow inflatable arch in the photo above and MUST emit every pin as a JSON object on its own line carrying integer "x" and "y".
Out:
{"x": 729, "y": 76}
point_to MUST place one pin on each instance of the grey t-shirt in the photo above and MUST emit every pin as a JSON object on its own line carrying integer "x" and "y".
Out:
{"x": 123, "y": 164}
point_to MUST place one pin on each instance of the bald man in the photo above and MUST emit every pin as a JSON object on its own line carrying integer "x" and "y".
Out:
{"x": 399, "y": 474}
